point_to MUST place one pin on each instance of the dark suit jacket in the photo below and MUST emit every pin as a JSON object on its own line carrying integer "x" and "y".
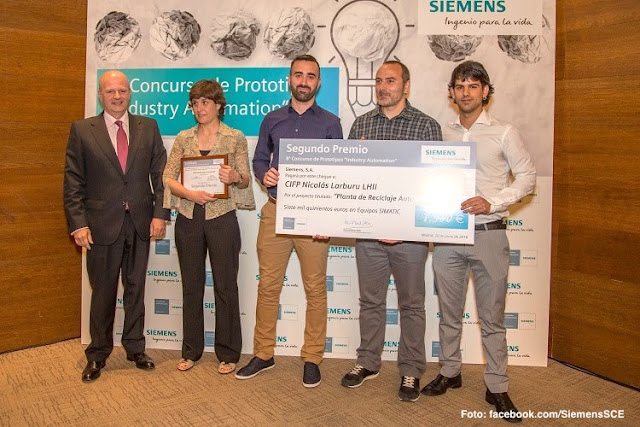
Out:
{"x": 96, "y": 190}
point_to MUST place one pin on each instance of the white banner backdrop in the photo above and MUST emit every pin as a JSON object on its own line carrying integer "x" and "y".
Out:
{"x": 165, "y": 46}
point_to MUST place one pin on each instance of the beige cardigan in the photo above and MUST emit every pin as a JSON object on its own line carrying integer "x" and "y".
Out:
{"x": 228, "y": 141}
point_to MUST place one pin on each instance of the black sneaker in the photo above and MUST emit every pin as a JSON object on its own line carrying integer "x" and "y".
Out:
{"x": 357, "y": 376}
{"x": 311, "y": 377}
{"x": 254, "y": 367}
{"x": 409, "y": 389}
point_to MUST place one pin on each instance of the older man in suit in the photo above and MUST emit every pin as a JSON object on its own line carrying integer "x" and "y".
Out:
{"x": 113, "y": 201}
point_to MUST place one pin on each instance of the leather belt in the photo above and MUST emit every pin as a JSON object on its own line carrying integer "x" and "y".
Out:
{"x": 493, "y": 225}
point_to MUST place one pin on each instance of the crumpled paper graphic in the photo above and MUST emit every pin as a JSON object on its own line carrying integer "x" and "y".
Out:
{"x": 365, "y": 32}
{"x": 175, "y": 34}
{"x": 453, "y": 48}
{"x": 234, "y": 35}
{"x": 289, "y": 33}
{"x": 527, "y": 49}
{"x": 117, "y": 36}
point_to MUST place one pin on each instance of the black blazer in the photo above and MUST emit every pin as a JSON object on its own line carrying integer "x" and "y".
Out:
{"x": 96, "y": 191}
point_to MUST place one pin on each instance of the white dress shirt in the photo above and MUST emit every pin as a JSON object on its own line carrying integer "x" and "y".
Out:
{"x": 112, "y": 128}
{"x": 500, "y": 153}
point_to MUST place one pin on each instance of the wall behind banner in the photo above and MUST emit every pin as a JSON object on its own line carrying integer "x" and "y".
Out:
{"x": 162, "y": 72}
{"x": 42, "y": 52}
{"x": 596, "y": 211}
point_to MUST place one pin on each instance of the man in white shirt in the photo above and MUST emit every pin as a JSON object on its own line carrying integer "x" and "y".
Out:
{"x": 500, "y": 153}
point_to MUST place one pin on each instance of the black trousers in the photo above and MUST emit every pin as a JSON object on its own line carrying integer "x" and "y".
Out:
{"x": 129, "y": 254}
{"x": 221, "y": 237}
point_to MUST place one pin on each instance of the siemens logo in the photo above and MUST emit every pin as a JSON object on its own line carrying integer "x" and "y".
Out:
{"x": 514, "y": 286}
{"x": 338, "y": 311}
{"x": 338, "y": 345}
{"x": 340, "y": 249}
{"x": 513, "y": 348}
{"x": 440, "y": 152}
{"x": 161, "y": 333}
{"x": 281, "y": 338}
{"x": 392, "y": 344}
{"x": 210, "y": 305}
{"x": 515, "y": 222}
{"x": 457, "y": 6}
{"x": 162, "y": 273}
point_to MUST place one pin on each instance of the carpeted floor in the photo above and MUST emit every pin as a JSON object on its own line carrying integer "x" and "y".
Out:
{"x": 42, "y": 386}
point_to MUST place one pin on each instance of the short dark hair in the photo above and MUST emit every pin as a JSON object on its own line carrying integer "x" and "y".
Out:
{"x": 308, "y": 58}
{"x": 472, "y": 70}
{"x": 209, "y": 89}
{"x": 406, "y": 76}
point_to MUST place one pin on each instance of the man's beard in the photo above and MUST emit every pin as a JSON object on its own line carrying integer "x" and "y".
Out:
{"x": 303, "y": 97}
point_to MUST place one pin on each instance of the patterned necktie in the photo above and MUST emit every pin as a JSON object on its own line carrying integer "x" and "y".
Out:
{"x": 123, "y": 146}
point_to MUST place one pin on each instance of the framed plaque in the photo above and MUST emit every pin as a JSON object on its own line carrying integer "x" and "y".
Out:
{"x": 203, "y": 174}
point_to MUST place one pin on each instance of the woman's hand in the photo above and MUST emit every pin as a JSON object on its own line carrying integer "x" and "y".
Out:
{"x": 228, "y": 175}
{"x": 201, "y": 197}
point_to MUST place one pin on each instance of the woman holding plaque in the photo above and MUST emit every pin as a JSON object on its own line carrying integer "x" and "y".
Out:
{"x": 206, "y": 198}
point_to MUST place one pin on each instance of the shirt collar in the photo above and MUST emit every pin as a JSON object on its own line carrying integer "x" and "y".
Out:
{"x": 110, "y": 120}
{"x": 314, "y": 108}
{"x": 222, "y": 130}
{"x": 483, "y": 119}
{"x": 407, "y": 112}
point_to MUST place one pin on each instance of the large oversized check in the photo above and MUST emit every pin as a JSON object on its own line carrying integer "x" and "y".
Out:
{"x": 402, "y": 190}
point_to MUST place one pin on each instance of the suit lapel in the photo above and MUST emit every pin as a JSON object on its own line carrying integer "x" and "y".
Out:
{"x": 135, "y": 132}
{"x": 101, "y": 135}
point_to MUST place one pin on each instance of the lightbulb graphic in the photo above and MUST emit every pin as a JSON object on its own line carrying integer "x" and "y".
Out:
{"x": 364, "y": 32}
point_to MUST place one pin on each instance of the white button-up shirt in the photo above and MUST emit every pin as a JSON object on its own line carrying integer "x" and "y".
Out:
{"x": 112, "y": 128}
{"x": 500, "y": 153}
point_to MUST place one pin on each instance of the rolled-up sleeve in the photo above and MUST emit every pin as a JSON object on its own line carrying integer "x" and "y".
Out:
{"x": 243, "y": 197}
{"x": 522, "y": 168}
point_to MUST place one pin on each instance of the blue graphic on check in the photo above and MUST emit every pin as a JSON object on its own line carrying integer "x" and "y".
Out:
{"x": 429, "y": 219}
